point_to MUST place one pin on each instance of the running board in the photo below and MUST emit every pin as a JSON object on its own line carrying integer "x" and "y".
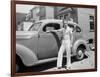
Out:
{"x": 45, "y": 61}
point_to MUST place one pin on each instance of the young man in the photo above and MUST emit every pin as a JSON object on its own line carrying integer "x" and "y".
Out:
{"x": 66, "y": 45}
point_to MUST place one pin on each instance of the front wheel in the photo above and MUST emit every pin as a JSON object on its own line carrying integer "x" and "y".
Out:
{"x": 80, "y": 53}
{"x": 19, "y": 65}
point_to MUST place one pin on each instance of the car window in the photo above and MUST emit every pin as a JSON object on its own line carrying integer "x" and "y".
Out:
{"x": 78, "y": 29}
{"x": 51, "y": 26}
{"x": 35, "y": 26}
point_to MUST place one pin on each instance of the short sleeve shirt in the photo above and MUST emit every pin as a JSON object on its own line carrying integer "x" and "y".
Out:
{"x": 66, "y": 33}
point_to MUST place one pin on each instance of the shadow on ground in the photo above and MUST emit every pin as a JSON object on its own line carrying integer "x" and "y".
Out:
{"x": 46, "y": 66}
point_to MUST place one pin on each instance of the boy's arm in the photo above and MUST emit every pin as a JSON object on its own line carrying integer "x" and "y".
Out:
{"x": 60, "y": 30}
{"x": 71, "y": 38}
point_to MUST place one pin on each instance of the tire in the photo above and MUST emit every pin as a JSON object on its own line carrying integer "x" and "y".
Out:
{"x": 80, "y": 53}
{"x": 19, "y": 65}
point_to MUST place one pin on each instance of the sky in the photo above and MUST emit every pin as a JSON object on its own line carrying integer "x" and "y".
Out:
{"x": 22, "y": 8}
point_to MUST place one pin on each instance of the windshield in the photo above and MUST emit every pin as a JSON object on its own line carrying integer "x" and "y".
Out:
{"x": 35, "y": 27}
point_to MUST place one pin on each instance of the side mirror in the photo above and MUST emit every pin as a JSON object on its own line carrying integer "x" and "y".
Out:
{"x": 78, "y": 29}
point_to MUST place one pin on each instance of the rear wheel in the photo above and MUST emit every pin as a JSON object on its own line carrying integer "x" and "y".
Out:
{"x": 80, "y": 53}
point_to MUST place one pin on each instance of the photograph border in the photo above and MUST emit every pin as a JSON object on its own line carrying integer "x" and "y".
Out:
{"x": 13, "y": 37}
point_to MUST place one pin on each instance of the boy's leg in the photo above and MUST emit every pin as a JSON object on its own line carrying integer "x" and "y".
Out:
{"x": 60, "y": 56}
{"x": 68, "y": 55}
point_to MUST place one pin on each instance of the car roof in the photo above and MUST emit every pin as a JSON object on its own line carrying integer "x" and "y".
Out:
{"x": 45, "y": 21}
{"x": 49, "y": 20}
{"x": 55, "y": 20}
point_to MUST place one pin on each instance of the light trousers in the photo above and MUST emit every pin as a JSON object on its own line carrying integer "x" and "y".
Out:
{"x": 66, "y": 46}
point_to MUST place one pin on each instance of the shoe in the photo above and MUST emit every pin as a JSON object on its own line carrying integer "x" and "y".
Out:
{"x": 67, "y": 68}
{"x": 59, "y": 67}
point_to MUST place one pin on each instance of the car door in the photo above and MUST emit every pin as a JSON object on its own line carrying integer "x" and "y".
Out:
{"x": 47, "y": 44}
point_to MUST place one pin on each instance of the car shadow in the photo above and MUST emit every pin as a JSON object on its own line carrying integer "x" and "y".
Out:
{"x": 75, "y": 60}
{"x": 46, "y": 66}
{"x": 39, "y": 68}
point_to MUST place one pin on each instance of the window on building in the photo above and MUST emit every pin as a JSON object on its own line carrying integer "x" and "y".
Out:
{"x": 91, "y": 18}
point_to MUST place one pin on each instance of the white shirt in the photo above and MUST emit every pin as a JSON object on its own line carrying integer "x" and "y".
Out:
{"x": 67, "y": 33}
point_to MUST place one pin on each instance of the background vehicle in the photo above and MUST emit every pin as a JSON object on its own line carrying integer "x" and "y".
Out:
{"x": 39, "y": 44}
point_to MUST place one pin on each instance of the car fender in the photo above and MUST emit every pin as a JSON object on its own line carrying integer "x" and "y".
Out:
{"x": 27, "y": 56}
{"x": 77, "y": 44}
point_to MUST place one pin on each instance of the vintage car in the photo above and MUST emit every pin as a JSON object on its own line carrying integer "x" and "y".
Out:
{"x": 40, "y": 44}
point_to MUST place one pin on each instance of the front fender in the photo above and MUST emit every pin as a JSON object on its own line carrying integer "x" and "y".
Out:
{"x": 77, "y": 44}
{"x": 27, "y": 56}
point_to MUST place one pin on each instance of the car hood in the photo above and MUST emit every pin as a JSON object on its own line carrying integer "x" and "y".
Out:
{"x": 25, "y": 34}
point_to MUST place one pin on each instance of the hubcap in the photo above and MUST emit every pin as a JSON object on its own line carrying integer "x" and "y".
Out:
{"x": 80, "y": 53}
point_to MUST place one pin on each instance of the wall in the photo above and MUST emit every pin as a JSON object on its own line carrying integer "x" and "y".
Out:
{"x": 35, "y": 11}
{"x": 49, "y": 12}
{"x": 42, "y": 12}
{"x": 66, "y": 13}
{"x": 20, "y": 17}
{"x": 46, "y": 12}
{"x": 84, "y": 21}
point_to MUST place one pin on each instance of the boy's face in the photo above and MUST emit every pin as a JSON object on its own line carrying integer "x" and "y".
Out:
{"x": 65, "y": 26}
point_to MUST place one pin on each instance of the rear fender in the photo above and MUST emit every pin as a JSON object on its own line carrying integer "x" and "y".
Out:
{"x": 77, "y": 44}
{"x": 27, "y": 56}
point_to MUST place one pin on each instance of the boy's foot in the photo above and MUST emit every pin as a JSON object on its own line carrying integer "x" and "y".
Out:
{"x": 59, "y": 67}
{"x": 67, "y": 67}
